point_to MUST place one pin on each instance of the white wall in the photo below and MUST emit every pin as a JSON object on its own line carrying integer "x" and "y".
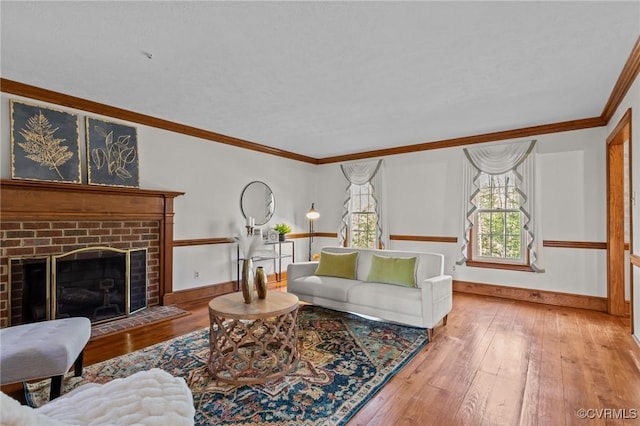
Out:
{"x": 212, "y": 175}
{"x": 424, "y": 195}
{"x": 423, "y": 192}
{"x": 632, "y": 100}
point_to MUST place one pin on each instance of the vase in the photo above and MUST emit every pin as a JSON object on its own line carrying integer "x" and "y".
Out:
{"x": 282, "y": 237}
{"x": 261, "y": 283}
{"x": 247, "y": 283}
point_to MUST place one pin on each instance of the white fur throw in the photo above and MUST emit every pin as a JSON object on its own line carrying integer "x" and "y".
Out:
{"x": 152, "y": 398}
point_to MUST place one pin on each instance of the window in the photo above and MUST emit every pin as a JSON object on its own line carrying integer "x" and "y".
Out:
{"x": 363, "y": 221}
{"x": 498, "y": 235}
{"x": 501, "y": 224}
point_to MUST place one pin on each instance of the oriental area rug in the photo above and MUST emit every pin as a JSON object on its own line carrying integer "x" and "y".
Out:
{"x": 344, "y": 361}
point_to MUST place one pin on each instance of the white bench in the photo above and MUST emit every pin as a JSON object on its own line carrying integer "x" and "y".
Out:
{"x": 43, "y": 349}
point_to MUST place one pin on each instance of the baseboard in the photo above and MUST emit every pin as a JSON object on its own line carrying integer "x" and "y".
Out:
{"x": 569, "y": 300}
{"x": 636, "y": 339}
{"x": 189, "y": 295}
{"x": 213, "y": 290}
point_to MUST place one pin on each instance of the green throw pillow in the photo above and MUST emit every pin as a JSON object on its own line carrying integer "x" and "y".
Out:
{"x": 342, "y": 265}
{"x": 393, "y": 270}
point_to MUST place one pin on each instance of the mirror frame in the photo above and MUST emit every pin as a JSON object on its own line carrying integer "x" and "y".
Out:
{"x": 258, "y": 220}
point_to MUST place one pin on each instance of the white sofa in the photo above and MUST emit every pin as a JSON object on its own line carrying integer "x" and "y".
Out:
{"x": 422, "y": 306}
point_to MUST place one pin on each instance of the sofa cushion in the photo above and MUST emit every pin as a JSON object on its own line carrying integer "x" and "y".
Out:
{"x": 341, "y": 265}
{"x": 428, "y": 264}
{"x": 387, "y": 297}
{"x": 393, "y": 270}
{"x": 324, "y": 287}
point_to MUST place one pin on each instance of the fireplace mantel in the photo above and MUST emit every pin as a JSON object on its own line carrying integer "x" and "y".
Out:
{"x": 22, "y": 200}
{"x": 37, "y": 200}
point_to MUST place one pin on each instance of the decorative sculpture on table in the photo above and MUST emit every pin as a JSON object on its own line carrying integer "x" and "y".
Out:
{"x": 261, "y": 282}
{"x": 247, "y": 283}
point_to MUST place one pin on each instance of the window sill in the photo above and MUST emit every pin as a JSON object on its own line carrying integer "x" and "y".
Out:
{"x": 496, "y": 265}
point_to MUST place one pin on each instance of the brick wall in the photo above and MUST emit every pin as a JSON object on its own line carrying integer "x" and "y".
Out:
{"x": 32, "y": 238}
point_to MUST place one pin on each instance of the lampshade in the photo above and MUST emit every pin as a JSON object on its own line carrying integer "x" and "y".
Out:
{"x": 312, "y": 213}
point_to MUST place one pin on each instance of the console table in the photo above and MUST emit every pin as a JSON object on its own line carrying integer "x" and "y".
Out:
{"x": 255, "y": 342}
{"x": 276, "y": 257}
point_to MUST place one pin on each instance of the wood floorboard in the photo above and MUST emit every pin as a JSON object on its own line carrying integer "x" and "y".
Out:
{"x": 551, "y": 403}
{"x": 496, "y": 362}
{"x": 575, "y": 371}
{"x": 529, "y": 413}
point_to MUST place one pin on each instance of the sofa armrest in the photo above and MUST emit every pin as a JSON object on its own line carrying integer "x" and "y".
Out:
{"x": 301, "y": 269}
{"x": 437, "y": 298}
{"x": 440, "y": 280}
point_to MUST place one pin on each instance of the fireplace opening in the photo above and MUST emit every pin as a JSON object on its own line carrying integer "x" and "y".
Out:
{"x": 29, "y": 278}
{"x": 90, "y": 283}
{"x": 101, "y": 284}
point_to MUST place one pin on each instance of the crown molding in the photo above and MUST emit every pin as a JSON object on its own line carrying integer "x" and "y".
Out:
{"x": 45, "y": 95}
{"x": 625, "y": 80}
{"x": 563, "y": 126}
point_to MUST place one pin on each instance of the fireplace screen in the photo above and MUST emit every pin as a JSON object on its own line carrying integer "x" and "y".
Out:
{"x": 100, "y": 283}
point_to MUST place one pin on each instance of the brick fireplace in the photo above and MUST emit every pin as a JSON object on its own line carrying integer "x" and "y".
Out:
{"x": 41, "y": 218}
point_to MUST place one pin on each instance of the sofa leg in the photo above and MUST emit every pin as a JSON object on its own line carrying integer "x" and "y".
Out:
{"x": 444, "y": 320}
{"x": 77, "y": 366}
{"x": 56, "y": 387}
{"x": 430, "y": 334}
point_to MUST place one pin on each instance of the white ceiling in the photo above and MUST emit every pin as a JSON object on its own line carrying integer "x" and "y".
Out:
{"x": 328, "y": 78}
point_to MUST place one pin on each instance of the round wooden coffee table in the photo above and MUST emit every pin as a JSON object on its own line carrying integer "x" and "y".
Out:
{"x": 253, "y": 343}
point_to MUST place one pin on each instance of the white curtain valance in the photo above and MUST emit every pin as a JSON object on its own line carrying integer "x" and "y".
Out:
{"x": 360, "y": 173}
{"x": 499, "y": 159}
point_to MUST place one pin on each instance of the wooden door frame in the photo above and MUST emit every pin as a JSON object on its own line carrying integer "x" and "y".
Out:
{"x": 615, "y": 217}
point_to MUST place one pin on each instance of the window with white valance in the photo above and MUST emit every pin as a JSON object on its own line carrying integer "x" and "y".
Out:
{"x": 362, "y": 221}
{"x": 500, "y": 211}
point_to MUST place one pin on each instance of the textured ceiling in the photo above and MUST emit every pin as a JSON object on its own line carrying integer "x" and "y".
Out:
{"x": 328, "y": 78}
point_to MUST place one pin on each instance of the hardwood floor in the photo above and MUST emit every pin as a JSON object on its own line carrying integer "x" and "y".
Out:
{"x": 496, "y": 362}
{"x": 501, "y": 362}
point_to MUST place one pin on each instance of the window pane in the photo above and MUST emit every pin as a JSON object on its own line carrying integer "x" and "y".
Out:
{"x": 498, "y": 221}
{"x": 484, "y": 248}
{"x": 483, "y": 223}
{"x": 513, "y": 199}
{"x": 484, "y": 199}
{"x": 514, "y": 222}
{"x": 513, "y": 247}
{"x": 363, "y": 220}
{"x": 363, "y": 230}
{"x": 497, "y": 246}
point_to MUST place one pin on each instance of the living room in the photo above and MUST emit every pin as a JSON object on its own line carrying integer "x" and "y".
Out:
{"x": 423, "y": 184}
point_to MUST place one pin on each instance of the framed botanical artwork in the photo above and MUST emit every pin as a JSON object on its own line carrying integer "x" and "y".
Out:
{"x": 112, "y": 153}
{"x": 45, "y": 143}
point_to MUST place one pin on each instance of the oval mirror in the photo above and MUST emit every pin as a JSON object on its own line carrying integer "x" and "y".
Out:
{"x": 257, "y": 201}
